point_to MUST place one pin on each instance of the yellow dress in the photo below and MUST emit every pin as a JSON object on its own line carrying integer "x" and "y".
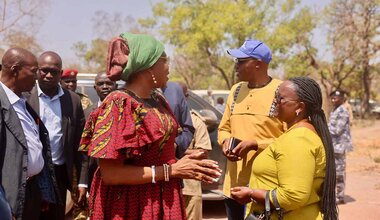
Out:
{"x": 295, "y": 165}
{"x": 249, "y": 121}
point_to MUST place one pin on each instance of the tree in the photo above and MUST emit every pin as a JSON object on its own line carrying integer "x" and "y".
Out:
{"x": 353, "y": 35}
{"x": 94, "y": 55}
{"x": 106, "y": 26}
{"x": 191, "y": 70}
{"x": 204, "y": 29}
{"x": 19, "y": 20}
{"x": 18, "y": 38}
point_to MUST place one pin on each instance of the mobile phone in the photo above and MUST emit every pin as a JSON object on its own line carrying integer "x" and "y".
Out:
{"x": 233, "y": 143}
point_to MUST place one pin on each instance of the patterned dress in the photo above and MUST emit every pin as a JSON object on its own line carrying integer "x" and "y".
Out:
{"x": 128, "y": 128}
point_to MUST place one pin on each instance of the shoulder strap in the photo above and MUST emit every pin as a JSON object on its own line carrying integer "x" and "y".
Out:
{"x": 279, "y": 210}
{"x": 267, "y": 206}
{"x": 235, "y": 97}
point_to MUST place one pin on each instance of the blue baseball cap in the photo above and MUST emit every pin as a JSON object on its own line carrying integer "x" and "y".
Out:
{"x": 252, "y": 48}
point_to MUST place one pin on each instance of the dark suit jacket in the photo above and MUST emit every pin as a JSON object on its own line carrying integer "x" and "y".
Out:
{"x": 174, "y": 96}
{"x": 72, "y": 127}
{"x": 14, "y": 155}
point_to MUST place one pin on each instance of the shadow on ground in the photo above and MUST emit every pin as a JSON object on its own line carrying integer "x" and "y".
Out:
{"x": 214, "y": 210}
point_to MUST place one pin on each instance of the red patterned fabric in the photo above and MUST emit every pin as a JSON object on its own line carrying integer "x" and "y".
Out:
{"x": 117, "y": 58}
{"x": 124, "y": 128}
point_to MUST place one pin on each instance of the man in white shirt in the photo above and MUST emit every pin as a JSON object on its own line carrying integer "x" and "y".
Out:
{"x": 27, "y": 174}
{"x": 62, "y": 113}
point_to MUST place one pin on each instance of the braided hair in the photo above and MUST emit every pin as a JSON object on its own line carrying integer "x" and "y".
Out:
{"x": 309, "y": 92}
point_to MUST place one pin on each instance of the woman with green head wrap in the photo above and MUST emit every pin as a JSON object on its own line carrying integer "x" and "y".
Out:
{"x": 132, "y": 133}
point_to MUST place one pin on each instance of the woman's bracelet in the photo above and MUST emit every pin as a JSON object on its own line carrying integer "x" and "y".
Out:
{"x": 153, "y": 174}
{"x": 251, "y": 197}
{"x": 166, "y": 172}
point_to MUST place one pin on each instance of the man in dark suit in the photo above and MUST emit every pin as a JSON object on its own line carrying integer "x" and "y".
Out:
{"x": 25, "y": 158}
{"x": 62, "y": 114}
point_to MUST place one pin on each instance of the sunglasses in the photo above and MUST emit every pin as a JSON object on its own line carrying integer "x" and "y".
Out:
{"x": 242, "y": 60}
{"x": 52, "y": 71}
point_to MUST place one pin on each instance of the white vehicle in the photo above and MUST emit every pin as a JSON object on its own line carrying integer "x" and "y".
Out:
{"x": 215, "y": 94}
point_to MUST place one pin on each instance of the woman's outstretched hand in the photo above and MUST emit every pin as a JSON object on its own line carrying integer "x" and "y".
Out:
{"x": 190, "y": 167}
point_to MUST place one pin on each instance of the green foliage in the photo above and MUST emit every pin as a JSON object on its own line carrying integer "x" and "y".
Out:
{"x": 94, "y": 55}
{"x": 107, "y": 26}
{"x": 298, "y": 65}
{"x": 207, "y": 28}
{"x": 353, "y": 33}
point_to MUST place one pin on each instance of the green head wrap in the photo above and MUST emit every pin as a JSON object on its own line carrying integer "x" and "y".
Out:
{"x": 144, "y": 51}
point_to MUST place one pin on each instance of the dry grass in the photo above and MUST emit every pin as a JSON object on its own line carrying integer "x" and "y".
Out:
{"x": 376, "y": 159}
{"x": 377, "y": 186}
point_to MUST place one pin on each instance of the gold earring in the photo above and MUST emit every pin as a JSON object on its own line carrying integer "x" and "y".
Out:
{"x": 154, "y": 79}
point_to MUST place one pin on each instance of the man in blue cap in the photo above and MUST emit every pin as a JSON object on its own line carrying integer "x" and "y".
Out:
{"x": 247, "y": 117}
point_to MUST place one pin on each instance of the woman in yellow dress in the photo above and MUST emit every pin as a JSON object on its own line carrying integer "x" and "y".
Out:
{"x": 296, "y": 173}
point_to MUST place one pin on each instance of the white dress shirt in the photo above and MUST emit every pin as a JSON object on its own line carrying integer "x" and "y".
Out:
{"x": 31, "y": 132}
{"x": 51, "y": 115}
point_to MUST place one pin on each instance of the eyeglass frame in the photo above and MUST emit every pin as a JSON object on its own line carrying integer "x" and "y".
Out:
{"x": 242, "y": 60}
{"x": 49, "y": 70}
{"x": 166, "y": 59}
{"x": 280, "y": 100}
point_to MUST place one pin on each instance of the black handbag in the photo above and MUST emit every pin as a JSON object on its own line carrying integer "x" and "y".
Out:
{"x": 265, "y": 215}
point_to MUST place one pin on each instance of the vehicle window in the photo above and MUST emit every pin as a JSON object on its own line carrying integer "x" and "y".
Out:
{"x": 216, "y": 96}
{"x": 194, "y": 104}
{"x": 197, "y": 103}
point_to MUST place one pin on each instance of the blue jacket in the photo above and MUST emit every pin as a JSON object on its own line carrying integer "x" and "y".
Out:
{"x": 177, "y": 102}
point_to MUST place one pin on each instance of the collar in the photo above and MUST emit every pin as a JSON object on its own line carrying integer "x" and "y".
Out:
{"x": 261, "y": 85}
{"x": 12, "y": 97}
{"x": 41, "y": 93}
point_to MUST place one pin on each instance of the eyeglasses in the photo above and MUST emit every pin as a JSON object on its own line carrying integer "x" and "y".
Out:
{"x": 52, "y": 71}
{"x": 242, "y": 60}
{"x": 280, "y": 100}
{"x": 166, "y": 60}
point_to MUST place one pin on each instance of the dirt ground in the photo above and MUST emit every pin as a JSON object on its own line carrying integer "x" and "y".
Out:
{"x": 363, "y": 177}
{"x": 363, "y": 173}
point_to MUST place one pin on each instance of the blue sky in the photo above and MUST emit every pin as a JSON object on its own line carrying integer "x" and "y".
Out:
{"x": 69, "y": 21}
